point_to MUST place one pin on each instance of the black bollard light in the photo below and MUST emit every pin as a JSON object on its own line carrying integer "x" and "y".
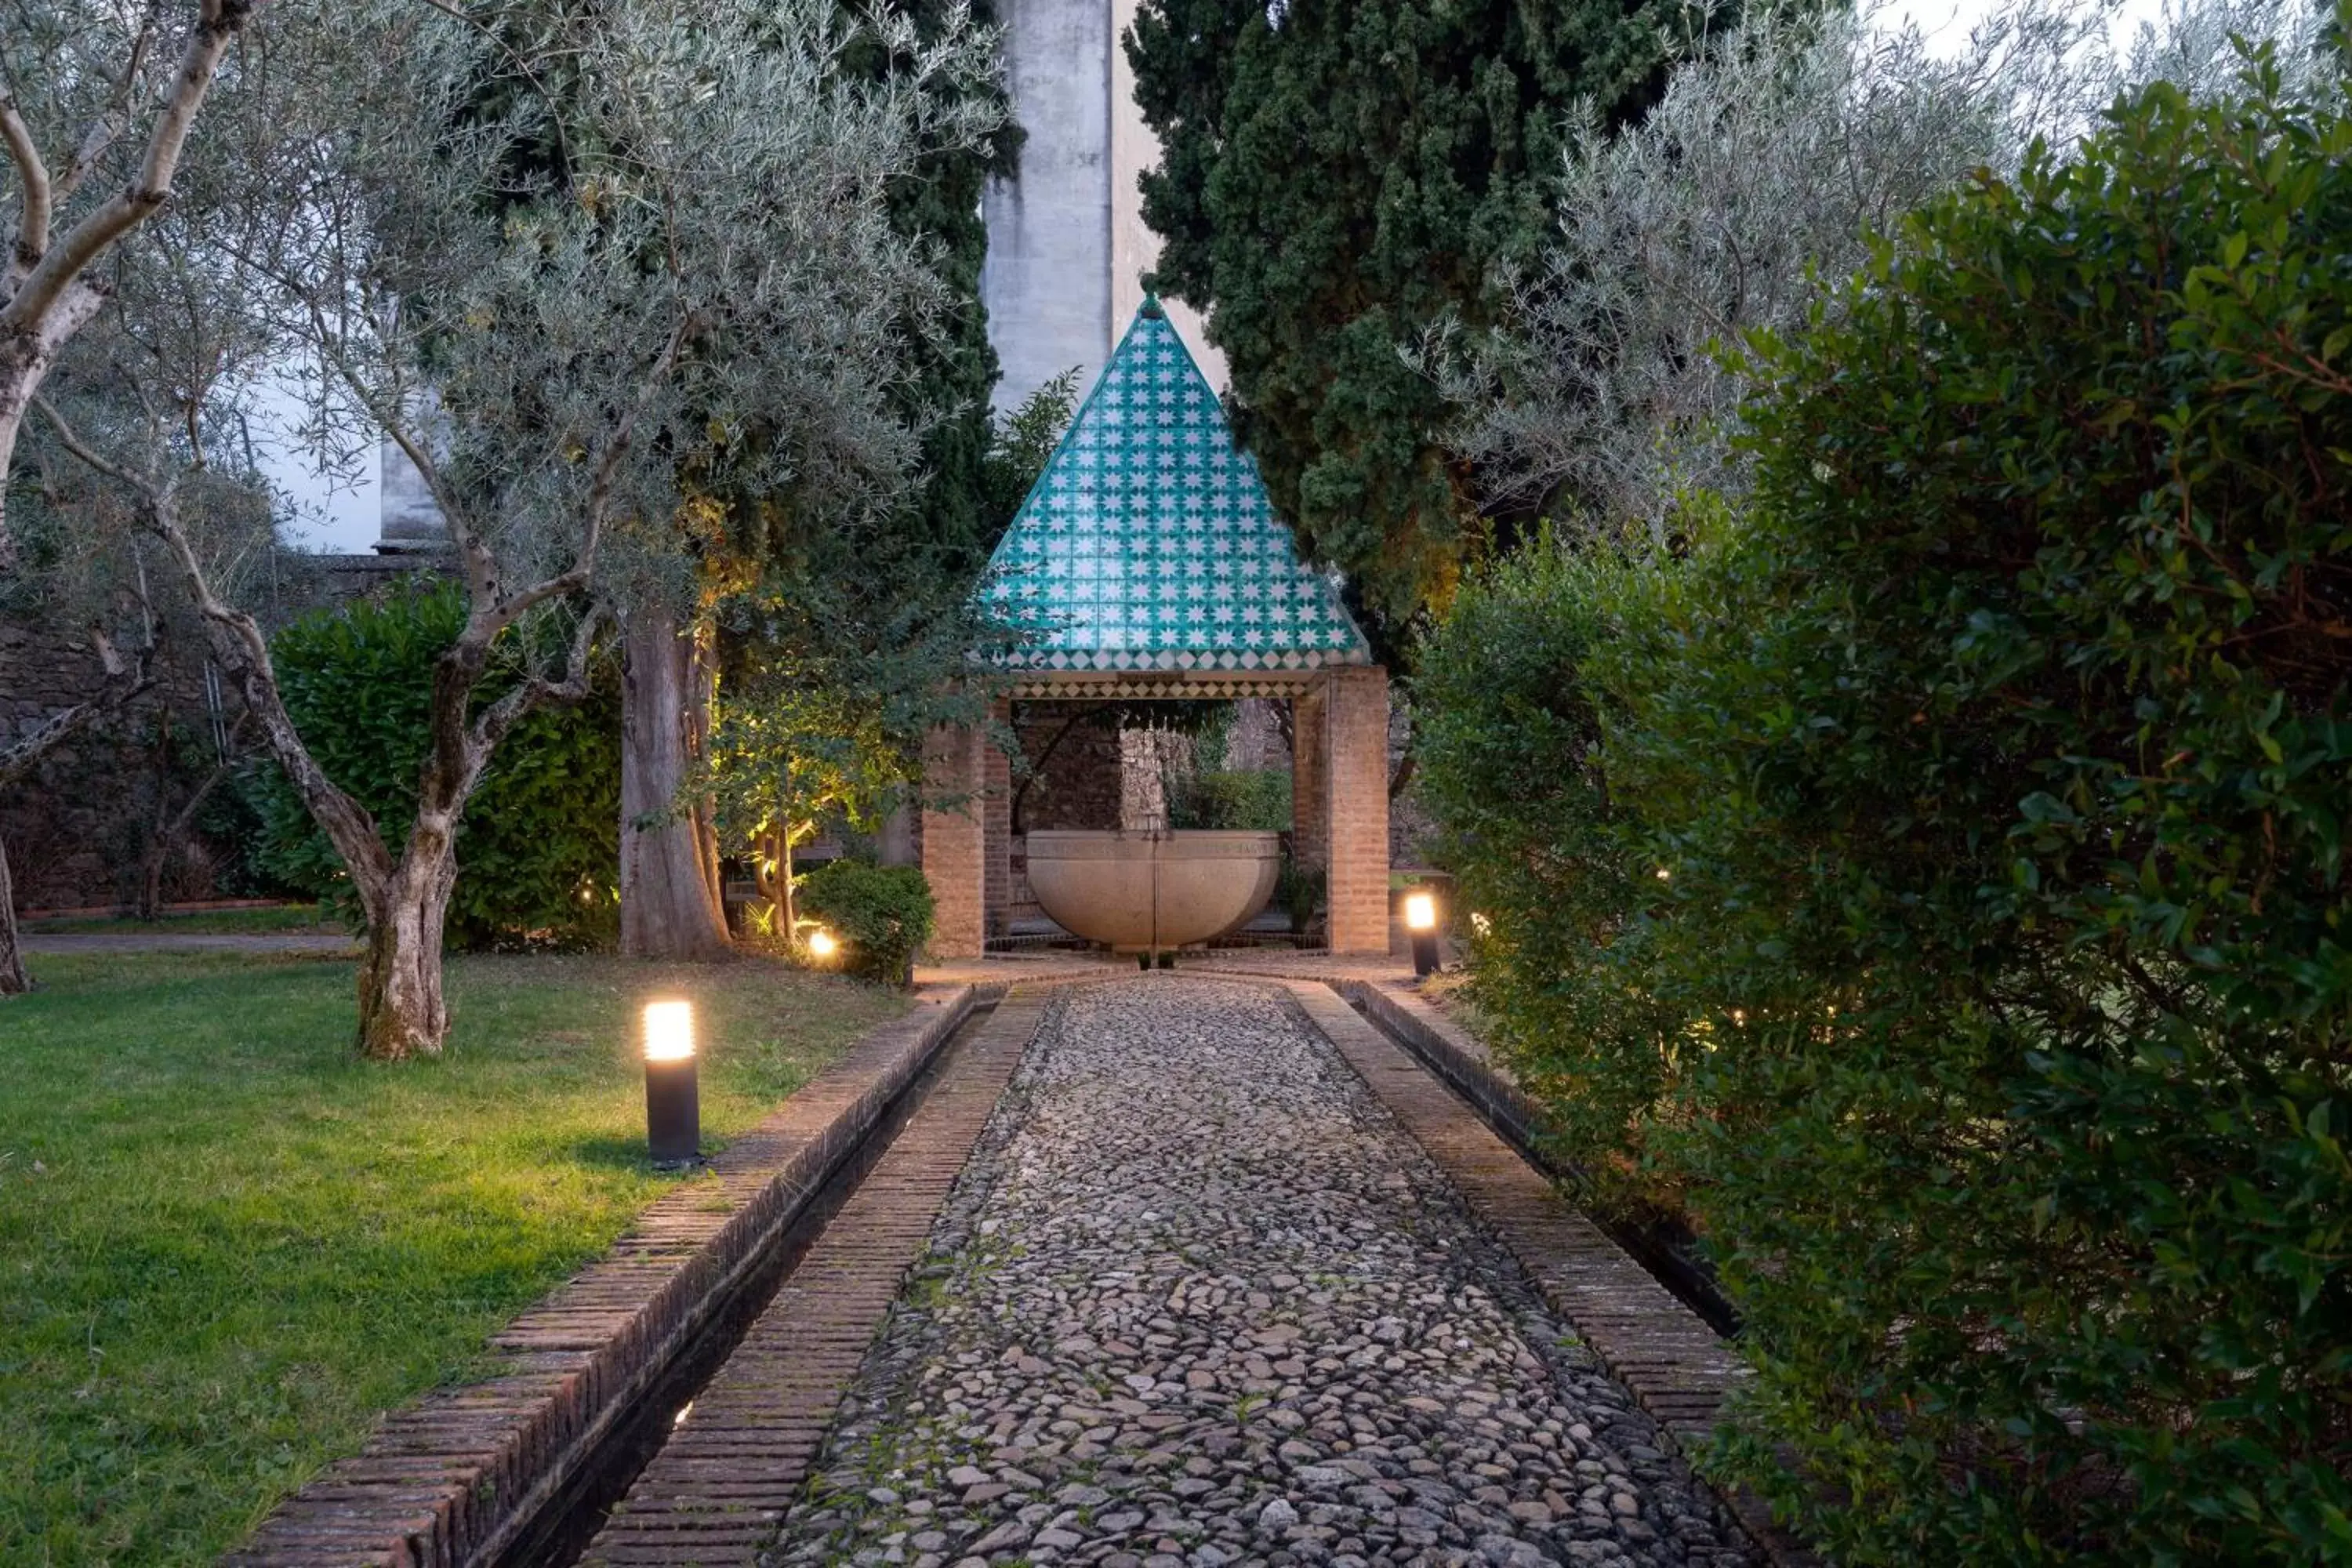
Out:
{"x": 1421, "y": 920}
{"x": 673, "y": 1101}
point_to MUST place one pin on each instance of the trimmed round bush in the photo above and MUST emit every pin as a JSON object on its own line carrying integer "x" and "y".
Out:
{"x": 881, "y": 915}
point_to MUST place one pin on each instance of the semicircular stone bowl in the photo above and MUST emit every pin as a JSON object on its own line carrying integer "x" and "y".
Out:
{"x": 1141, "y": 892}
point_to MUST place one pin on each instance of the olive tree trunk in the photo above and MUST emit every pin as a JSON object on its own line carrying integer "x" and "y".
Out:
{"x": 670, "y": 904}
{"x": 14, "y": 981}
{"x": 775, "y": 853}
{"x": 403, "y": 1012}
{"x": 405, "y": 898}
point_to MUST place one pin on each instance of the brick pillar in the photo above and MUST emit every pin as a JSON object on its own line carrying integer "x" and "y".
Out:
{"x": 996, "y": 816}
{"x": 1356, "y": 759}
{"x": 955, "y": 860}
{"x": 1308, "y": 786}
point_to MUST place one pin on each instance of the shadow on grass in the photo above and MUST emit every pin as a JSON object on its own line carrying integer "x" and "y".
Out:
{"x": 605, "y": 1153}
{"x": 609, "y": 1153}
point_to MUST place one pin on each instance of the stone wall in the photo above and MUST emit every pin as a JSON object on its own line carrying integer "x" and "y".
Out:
{"x": 77, "y": 830}
{"x": 1074, "y": 768}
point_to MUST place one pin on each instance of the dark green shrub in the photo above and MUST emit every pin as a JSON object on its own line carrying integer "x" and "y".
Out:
{"x": 1254, "y": 800}
{"x": 2011, "y": 792}
{"x": 880, "y": 914}
{"x": 1555, "y": 886}
{"x": 538, "y": 849}
{"x": 1994, "y": 1017}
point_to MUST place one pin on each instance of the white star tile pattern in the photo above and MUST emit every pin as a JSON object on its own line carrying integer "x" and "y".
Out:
{"x": 1149, "y": 541}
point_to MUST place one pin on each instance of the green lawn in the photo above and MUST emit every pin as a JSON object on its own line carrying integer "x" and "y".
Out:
{"x": 227, "y": 1243}
{"x": 267, "y": 920}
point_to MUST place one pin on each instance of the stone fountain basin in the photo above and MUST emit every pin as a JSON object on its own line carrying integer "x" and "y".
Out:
{"x": 1138, "y": 892}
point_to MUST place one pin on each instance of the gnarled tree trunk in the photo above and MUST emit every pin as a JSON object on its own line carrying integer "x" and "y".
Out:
{"x": 403, "y": 1012}
{"x": 670, "y": 904}
{"x": 14, "y": 981}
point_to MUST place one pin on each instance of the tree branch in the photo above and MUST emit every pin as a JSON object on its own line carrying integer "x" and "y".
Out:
{"x": 238, "y": 641}
{"x": 33, "y": 223}
{"x": 88, "y": 456}
{"x": 109, "y": 125}
{"x": 60, "y": 265}
{"x": 490, "y": 726}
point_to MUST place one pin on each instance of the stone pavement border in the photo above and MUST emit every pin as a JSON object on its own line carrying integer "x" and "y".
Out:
{"x": 456, "y": 1477}
{"x": 1673, "y": 1363}
{"x": 719, "y": 1491}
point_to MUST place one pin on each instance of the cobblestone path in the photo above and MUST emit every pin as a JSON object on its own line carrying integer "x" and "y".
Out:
{"x": 1198, "y": 1300}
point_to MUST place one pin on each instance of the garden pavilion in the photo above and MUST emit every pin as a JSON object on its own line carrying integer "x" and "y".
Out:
{"x": 1149, "y": 561}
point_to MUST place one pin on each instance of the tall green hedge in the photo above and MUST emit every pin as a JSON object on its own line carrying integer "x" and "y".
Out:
{"x": 1507, "y": 716}
{"x": 1936, "y": 882}
{"x": 538, "y": 847}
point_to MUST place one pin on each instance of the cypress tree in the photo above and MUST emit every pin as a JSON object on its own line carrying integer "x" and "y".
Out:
{"x": 954, "y": 368}
{"x": 1338, "y": 176}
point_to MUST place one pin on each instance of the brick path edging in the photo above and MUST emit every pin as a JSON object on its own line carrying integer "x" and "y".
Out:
{"x": 1676, "y": 1367}
{"x": 1452, "y": 1056}
{"x": 450, "y": 1478}
{"x": 717, "y": 1492}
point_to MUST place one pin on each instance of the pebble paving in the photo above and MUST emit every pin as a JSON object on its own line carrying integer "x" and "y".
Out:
{"x": 1199, "y": 1300}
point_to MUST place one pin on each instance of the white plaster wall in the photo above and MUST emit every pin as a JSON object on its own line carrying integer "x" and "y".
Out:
{"x": 1067, "y": 246}
{"x": 1133, "y": 246}
{"x": 1046, "y": 279}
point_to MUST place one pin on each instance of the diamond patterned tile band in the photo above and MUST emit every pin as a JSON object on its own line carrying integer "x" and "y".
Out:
{"x": 1149, "y": 541}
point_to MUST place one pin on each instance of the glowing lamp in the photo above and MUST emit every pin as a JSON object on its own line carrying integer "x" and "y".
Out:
{"x": 822, "y": 945}
{"x": 1421, "y": 920}
{"x": 673, "y": 1100}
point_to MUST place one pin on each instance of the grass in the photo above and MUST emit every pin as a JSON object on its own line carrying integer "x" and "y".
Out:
{"x": 269, "y": 921}
{"x": 227, "y": 1244}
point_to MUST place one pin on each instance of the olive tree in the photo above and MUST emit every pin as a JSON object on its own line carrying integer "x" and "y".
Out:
{"x": 1763, "y": 176}
{"x": 561, "y": 318}
{"x": 97, "y": 104}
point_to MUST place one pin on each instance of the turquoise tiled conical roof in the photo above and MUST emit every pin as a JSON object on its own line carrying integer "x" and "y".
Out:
{"x": 1149, "y": 541}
